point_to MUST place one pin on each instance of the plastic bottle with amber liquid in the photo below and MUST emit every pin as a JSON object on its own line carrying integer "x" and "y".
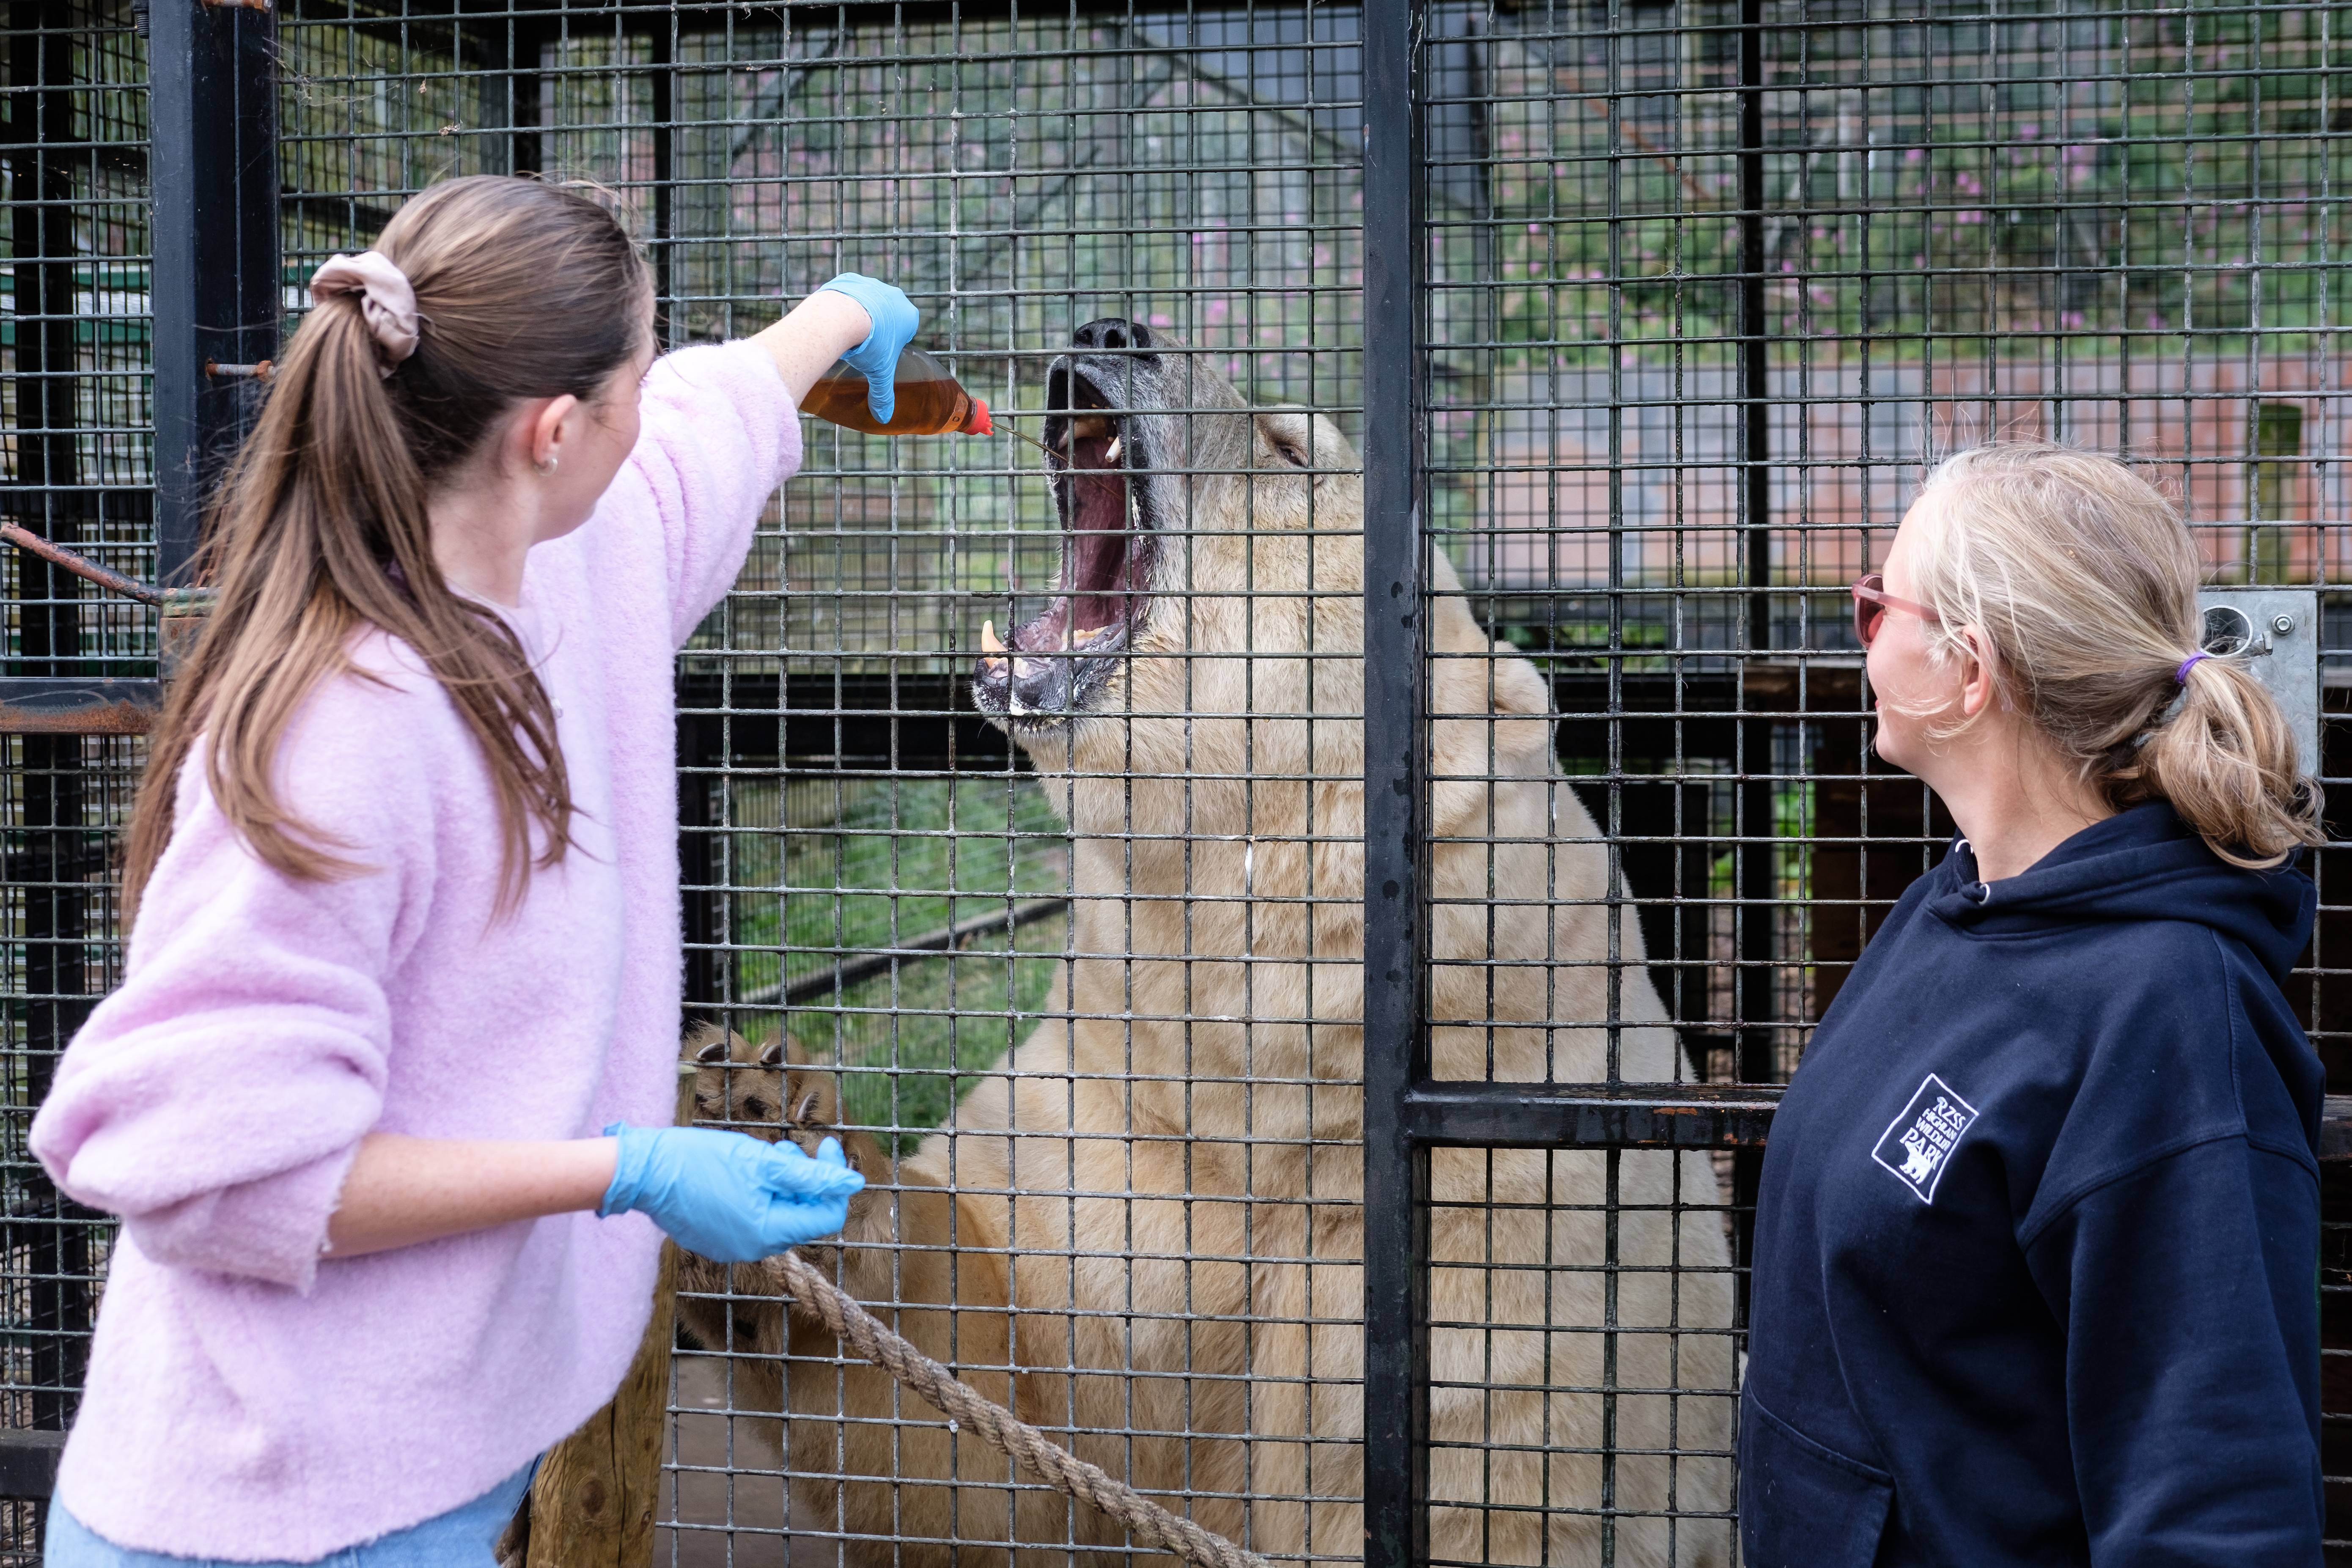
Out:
{"x": 929, "y": 401}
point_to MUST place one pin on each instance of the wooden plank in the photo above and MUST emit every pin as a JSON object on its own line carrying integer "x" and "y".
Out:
{"x": 28, "y": 1465}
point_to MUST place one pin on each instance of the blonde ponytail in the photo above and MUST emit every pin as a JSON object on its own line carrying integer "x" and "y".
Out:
{"x": 2226, "y": 758}
{"x": 2085, "y": 578}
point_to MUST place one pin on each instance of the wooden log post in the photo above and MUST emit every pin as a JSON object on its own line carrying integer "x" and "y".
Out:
{"x": 593, "y": 1503}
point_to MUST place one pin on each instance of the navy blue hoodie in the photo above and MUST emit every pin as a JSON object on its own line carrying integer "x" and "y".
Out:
{"x": 2037, "y": 1245}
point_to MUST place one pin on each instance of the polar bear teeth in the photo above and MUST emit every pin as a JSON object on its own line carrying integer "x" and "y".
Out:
{"x": 1110, "y": 453}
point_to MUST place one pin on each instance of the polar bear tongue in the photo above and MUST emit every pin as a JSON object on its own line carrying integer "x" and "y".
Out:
{"x": 1097, "y": 563}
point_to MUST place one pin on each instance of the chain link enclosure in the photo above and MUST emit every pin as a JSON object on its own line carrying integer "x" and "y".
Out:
{"x": 1590, "y": 348}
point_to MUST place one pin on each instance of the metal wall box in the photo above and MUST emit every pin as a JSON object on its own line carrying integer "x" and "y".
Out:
{"x": 2279, "y": 631}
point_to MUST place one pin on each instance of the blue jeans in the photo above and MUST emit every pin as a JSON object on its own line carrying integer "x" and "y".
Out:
{"x": 462, "y": 1538}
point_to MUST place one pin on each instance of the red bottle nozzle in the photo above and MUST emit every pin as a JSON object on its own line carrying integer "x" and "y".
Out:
{"x": 979, "y": 424}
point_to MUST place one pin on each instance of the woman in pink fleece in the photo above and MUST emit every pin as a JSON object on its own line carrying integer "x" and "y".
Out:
{"x": 406, "y": 936}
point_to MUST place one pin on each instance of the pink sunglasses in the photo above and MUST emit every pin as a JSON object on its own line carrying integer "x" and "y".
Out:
{"x": 1871, "y": 602}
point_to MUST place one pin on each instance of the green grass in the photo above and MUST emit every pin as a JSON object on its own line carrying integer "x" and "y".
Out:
{"x": 824, "y": 865}
{"x": 956, "y": 1016}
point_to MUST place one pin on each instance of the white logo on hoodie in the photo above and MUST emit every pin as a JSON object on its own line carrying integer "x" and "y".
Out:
{"x": 1918, "y": 1145}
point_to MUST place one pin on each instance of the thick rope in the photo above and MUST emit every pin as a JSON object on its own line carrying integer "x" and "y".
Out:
{"x": 1027, "y": 1446}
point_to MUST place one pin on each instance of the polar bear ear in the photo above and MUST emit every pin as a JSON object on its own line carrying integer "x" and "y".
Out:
{"x": 1516, "y": 686}
{"x": 1331, "y": 449}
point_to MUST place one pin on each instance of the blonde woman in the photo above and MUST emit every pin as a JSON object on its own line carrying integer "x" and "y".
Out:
{"x": 2039, "y": 1221}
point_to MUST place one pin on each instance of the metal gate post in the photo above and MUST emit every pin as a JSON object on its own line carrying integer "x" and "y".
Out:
{"x": 1395, "y": 1170}
{"x": 1757, "y": 892}
{"x": 217, "y": 294}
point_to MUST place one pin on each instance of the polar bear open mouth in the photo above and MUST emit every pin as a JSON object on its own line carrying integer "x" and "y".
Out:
{"x": 1053, "y": 665}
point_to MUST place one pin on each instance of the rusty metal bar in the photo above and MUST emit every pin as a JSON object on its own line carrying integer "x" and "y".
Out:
{"x": 80, "y": 566}
{"x": 1591, "y": 1115}
{"x": 77, "y": 705}
{"x": 1692, "y": 1116}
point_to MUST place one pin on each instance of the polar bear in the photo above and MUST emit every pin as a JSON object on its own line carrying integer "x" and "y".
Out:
{"x": 1145, "y": 1228}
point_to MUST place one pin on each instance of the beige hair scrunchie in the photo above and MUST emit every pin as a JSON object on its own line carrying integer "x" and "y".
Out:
{"x": 387, "y": 301}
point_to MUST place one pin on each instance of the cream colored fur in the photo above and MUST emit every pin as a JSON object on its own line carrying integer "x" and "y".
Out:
{"x": 1165, "y": 1177}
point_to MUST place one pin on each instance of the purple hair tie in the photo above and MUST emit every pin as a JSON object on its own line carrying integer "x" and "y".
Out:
{"x": 2180, "y": 676}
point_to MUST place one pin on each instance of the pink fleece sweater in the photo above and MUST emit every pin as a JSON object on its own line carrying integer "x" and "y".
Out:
{"x": 247, "y": 1398}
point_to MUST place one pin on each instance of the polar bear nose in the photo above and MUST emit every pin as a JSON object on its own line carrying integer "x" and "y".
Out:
{"x": 1112, "y": 333}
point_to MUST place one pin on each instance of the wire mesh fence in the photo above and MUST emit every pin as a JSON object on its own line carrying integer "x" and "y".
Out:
{"x": 1022, "y": 800}
{"x": 73, "y": 400}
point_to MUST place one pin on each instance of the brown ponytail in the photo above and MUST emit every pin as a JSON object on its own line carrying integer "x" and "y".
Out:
{"x": 2085, "y": 577}
{"x": 523, "y": 291}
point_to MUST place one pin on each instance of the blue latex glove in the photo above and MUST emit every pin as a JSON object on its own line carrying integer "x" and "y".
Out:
{"x": 729, "y": 1195}
{"x": 895, "y": 320}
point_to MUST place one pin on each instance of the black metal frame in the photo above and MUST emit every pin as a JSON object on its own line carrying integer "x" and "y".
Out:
{"x": 216, "y": 303}
{"x": 1396, "y": 1054}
